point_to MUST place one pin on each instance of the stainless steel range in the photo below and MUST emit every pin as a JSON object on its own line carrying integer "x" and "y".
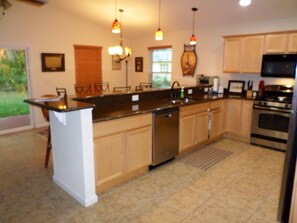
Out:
{"x": 271, "y": 116}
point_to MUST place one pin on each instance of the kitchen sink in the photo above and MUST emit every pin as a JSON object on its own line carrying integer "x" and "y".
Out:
{"x": 183, "y": 101}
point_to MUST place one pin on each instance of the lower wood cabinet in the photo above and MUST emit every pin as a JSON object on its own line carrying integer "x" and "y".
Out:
{"x": 122, "y": 149}
{"x": 199, "y": 123}
{"x": 239, "y": 117}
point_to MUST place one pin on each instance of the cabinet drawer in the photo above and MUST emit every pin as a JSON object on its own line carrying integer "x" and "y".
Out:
{"x": 216, "y": 104}
{"x": 193, "y": 109}
{"x": 121, "y": 125}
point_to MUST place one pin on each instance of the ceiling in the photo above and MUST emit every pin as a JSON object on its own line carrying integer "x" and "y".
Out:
{"x": 140, "y": 17}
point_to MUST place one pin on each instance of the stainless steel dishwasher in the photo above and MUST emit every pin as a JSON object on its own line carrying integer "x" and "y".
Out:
{"x": 165, "y": 135}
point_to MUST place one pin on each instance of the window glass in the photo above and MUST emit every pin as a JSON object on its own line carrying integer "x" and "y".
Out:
{"x": 161, "y": 67}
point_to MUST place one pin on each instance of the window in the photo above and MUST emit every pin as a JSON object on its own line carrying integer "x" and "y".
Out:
{"x": 161, "y": 67}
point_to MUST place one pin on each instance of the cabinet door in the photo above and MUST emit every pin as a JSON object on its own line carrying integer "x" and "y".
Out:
{"x": 246, "y": 119}
{"x": 187, "y": 132}
{"x": 276, "y": 43}
{"x": 109, "y": 158}
{"x": 252, "y": 54}
{"x": 216, "y": 123}
{"x": 139, "y": 148}
{"x": 201, "y": 127}
{"x": 292, "y": 44}
{"x": 232, "y": 55}
{"x": 234, "y": 115}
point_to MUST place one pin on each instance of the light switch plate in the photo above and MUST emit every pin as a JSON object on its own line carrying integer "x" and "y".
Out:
{"x": 135, "y": 97}
{"x": 190, "y": 91}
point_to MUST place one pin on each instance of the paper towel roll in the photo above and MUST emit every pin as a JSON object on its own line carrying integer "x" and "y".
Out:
{"x": 215, "y": 86}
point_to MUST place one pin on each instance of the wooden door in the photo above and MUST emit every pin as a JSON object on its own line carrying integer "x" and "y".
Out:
{"x": 216, "y": 123}
{"x": 88, "y": 64}
{"x": 232, "y": 55}
{"x": 139, "y": 148}
{"x": 109, "y": 158}
{"x": 202, "y": 127}
{"x": 276, "y": 43}
{"x": 187, "y": 132}
{"x": 253, "y": 51}
{"x": 292, "y": 44}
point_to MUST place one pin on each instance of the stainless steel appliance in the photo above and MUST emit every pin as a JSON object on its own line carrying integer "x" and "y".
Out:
{"x": 279, "y": 65}
{"x": 271, "y": 117}
{"x": 165, "y": 135}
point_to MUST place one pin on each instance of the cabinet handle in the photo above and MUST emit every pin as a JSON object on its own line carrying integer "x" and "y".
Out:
{"x": 209, "y": 124}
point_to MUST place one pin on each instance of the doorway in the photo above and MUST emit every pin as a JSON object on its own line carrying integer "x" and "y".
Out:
{"x": 88, "y": 64}
{"x": 14, "y": 113}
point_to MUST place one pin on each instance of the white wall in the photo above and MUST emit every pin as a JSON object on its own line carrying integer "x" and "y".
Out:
{"x": 46, "y": 30}
{"x": 209, "y": 51}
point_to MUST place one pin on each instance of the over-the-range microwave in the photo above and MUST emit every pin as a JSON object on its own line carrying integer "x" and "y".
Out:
{"x": 279, "y": 65}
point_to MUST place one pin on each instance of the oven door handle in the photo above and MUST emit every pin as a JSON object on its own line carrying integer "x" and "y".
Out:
{"x": 259, "y": 107}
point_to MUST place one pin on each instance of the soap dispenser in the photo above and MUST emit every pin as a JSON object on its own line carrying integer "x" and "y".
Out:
{"x": 182, "y": 92}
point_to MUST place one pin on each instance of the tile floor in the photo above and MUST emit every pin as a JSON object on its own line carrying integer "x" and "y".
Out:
{"x": 244, "y": 187}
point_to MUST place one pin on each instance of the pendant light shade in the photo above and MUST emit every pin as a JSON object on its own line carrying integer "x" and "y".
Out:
{"x": 116, "y": 27}
{"x": 159, "y": 33}
{"x": 193, "y": 39}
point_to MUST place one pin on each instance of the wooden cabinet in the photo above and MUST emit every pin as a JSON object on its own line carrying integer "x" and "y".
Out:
{"x": 232, "y": 55}
{"x": 292, "y": 42}
{"x": 252, "y": 54}
{"x": 199, "y": 123}
{"x": 243, "y": 54}
{"x": 122, "y": 149}
{"x": 285, "y": 42}
{"x": 276, "y": 43}
{"x": 239, "y": 117}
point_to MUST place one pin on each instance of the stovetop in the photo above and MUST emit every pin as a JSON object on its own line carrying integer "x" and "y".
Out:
{"x": 278, "y": 96}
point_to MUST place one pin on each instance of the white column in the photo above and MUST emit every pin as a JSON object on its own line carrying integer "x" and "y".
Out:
{"x": 73, "y": 154}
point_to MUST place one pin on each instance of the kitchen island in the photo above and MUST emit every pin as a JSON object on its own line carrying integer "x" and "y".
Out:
{"x": 81, "y": 125}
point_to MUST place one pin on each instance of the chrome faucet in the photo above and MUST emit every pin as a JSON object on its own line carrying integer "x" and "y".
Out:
{"x": 174, "y": 94}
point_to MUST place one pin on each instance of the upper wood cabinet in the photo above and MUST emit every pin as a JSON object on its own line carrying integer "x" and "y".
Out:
{"x": 232, "y": 54}
{"x": 292, "y": 42}
{"x": 281, "y": 42}
{"x": 252, "y": 54}
{"x": 276, "y": 43}
{"x": 243, "y": 54}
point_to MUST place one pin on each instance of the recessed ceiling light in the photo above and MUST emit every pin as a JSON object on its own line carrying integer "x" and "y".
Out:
{"x": 245, "y": 2}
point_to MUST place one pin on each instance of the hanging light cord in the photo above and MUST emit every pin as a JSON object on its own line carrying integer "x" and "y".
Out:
{"x": 116, "y": 9}
{"x": 159, "y": 13}
{"x": 121, "y": 34}
{"x": 194, "y": 10}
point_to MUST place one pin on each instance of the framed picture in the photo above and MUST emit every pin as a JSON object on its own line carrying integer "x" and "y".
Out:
{"x": 52, "y": 62}
{"x": 189, "y": 60}
{"x": 116, "y": 63}
{"x": 138, "y": 64}
{"x": 236, "y": 87}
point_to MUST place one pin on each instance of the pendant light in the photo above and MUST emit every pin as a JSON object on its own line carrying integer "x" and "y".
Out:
{"x": 159, "y": 33}
{"x": 120, "y": 51}
{"x": 193, "y": 39}
{"x": 116, "y": 28}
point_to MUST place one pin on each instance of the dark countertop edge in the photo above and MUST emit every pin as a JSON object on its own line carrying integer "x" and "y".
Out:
{"x": 54, "y": 108}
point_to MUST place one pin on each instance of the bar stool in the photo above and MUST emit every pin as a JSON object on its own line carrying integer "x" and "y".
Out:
{"x": 82, "y": 88}
{"x": 49, "y": 142}
{"x": 101, "y": 87}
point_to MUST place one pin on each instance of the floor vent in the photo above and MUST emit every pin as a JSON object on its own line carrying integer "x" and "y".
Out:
{"x": 206, "y": 158}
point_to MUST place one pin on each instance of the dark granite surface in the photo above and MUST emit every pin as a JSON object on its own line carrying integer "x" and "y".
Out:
{"x": 113, "y": 106}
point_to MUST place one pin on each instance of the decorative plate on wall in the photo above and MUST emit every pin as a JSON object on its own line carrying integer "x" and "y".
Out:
{"x": 189, "y": 60}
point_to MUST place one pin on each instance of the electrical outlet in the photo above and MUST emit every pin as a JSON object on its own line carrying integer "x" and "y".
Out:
{"x": 135, "y": 97}
{"x": 190, "y": 91}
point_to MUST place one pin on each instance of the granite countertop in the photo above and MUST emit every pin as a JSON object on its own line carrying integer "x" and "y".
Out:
{"x": 119, "y": 110}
